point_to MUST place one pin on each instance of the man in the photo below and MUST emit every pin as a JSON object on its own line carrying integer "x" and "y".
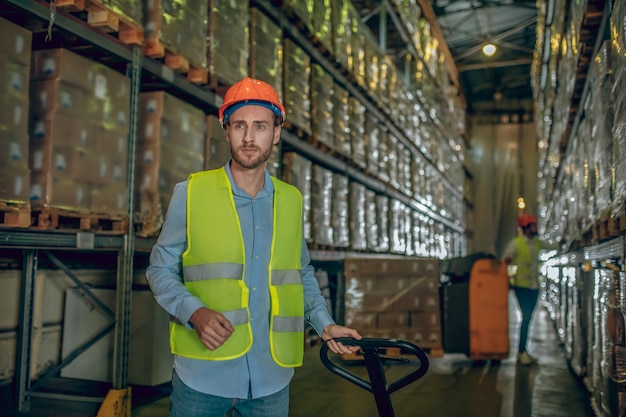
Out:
{"x": 523, "y": 253}
{"x": 232, "y": 269}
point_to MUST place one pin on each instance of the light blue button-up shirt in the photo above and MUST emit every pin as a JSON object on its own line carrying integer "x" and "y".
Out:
{"x": 255, "y": 374}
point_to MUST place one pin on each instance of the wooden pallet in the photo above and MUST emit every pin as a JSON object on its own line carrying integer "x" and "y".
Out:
{"x": 105, "y": 19}
{"x": 173, "y": 59}
{"x": 14, "y": 214}
{"x": 66, "y": 219}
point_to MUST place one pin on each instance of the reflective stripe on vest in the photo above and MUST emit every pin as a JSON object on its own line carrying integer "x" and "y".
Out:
{"x": 213, "y": 268}
{"x": 524, "y": 275}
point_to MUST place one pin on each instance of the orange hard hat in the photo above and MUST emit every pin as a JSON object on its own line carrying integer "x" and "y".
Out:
{"x": 250, "y": 92}
{"x": 525, "y": 219}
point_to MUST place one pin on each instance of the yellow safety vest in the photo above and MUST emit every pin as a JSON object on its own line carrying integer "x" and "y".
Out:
{"x": 213, "y": 270}
{"x": 524, "y": 276}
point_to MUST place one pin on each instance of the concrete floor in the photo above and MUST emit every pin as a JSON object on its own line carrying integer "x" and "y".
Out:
{"x": 453, "y": 387}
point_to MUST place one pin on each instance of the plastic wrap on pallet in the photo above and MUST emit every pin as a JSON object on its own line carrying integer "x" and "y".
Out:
{"x": 297, "y": 98}
{"x": 599, "y": 355}
{"x": 393, "y": 160}
{"x": 229, "y": 45}
{"x": 357, "y": 44}
{"x": 321, "y": 206}
{"x": 129, "y": 9}
{"x": 302, "y": 10}
{"x": 358, "y": 216}
{"x": 372, "y": 233}
{"x": 180, "y": 27}
{"x": 266, "y": 50}
{"x": 601, "y": 123}
{"x": 78, "y": 125}
{"x": 383, "y": 168}
{"x": 274, "y": 162}
{"x": 341, "y": 120}
{"x": 618, "y": 77}
{"x": 382, "y": 219}
{"x": 340, "y": 211}
{"x": 373, "y": 139}
{"x": 170, "y": 145}
{"x": 297, "y": 171}
{"x": 320, "y": 18}
{"x": 410, "y": 13}
{"x": 397, "y": 227}
{"x": 322, "y": 106}
{"x": 358, "y": 117}
{"x": 341, "y": 31}
{"x": 405, "y": 176}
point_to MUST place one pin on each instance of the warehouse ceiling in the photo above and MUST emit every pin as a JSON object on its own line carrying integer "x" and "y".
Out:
{"x": 500, "y": 82}
{"x": 497, "y": 84}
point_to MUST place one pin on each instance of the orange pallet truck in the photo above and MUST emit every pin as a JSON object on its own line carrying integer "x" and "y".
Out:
{"x": 488, "y": 310}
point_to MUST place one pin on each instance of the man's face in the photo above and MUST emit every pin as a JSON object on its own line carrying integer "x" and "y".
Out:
{"x": 251, "y": 133}
{"x": 532, "y": 229}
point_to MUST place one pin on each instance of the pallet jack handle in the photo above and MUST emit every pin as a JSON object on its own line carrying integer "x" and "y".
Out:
{"x": 377, "y": 384}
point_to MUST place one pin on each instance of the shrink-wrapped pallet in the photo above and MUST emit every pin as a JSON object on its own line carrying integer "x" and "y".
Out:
{"x": 170, "y": 146}
{"x": 79, "y": 125}
{"x": 297, "y": 96}
{"x": 322, "y": 106}
{"x": 321, "y": 206}
{"x": 228, "y": 41}
{"x": 340, "y": 211}
{"x": 297, "y": 171}
{"x": 357, "y": 216}
{"x": 266, "y": 50}
{"x": 178, "y": 28}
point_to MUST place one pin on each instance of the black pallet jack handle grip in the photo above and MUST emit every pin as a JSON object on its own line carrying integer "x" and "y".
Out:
{"x": 377, "y": 384}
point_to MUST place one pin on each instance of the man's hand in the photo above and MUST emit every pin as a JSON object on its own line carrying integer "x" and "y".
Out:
{"x": 212, "y": 328}
{"x": 333, "y": 331}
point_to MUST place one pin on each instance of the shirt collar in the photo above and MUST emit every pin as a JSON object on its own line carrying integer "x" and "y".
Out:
{"x": 267, "y": 190}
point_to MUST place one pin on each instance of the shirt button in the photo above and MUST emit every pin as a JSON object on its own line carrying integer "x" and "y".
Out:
{"x": 256, "y": 257}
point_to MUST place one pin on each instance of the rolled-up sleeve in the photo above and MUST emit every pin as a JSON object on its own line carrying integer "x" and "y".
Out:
{"x": 164, "y": 271}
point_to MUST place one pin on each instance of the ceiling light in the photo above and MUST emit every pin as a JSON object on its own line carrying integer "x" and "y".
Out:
{"x": 489, "y": 49}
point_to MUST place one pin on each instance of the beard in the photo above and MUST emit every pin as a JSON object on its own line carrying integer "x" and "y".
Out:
{"x": 250, "y": 162}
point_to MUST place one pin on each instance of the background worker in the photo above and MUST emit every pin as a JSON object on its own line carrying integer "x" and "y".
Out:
{"x": 233, "y": 270}
{"x": 523, "y": 253}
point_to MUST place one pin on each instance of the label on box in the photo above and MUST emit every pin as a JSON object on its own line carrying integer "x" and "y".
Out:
{"x": 17, "y": 114}
{"x": 19, "y": 44}
{"x": 49, "y": 66}
{"x": 100, "y": 90}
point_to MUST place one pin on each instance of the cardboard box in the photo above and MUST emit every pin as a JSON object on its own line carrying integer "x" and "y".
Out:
{"x": 111, "y": 142}
{"x": 14, "y": 116}
{"x": 57, "y": 96}
{"x": 111, "y": 199}
{"x": 57, "y": 129}
{"x": 14, "y": 184}
{"x": 74, "y": 69}
{"x": 13, "y": 79}
{"x": 13, "y": 151}
{"x": 15, "y": 42}
{"x": 47, "y": 190}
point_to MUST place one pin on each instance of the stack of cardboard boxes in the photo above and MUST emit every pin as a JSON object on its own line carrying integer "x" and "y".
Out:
{"x": 79, "y": 124}
{"x": 15, "y": 53}
{"x": 389, "y": 297}
{"x": 170, "y": 146}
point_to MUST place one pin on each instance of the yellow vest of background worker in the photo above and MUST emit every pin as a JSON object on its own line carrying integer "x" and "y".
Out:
{"x": 524, "y": 276}
{"x": 213, "y": 270}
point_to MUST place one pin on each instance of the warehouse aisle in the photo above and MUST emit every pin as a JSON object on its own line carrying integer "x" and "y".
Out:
{"x": 453, "y": 387}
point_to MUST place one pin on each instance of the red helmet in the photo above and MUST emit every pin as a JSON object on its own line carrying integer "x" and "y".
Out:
{"x": 526, "y": 219}
{"x": 250, "y": 92}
